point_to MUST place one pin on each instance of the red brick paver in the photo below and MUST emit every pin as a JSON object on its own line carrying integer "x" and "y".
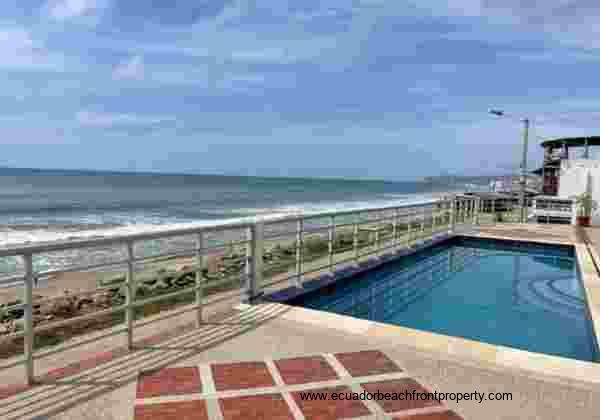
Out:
{"x": 171, "y": 381}
{"x": 271, "y": 406}
{"x": 365, "y": 363}
{"x": 398, "y": 386}
{"x": 444, "y": 415}
{"x": 302, "y": 370}
{"x": 7, "y": 391}
{"x": 328, "y": 408}
{"x": 186, "y": 410}
{"x": 238, "y": 397}
{"x": 242, "y": 375}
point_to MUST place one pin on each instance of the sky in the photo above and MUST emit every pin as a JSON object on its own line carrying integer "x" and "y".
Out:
{"x": 345, "y": 88}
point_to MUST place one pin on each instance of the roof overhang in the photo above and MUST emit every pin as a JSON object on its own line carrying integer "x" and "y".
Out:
{"x": 572, "y": 142}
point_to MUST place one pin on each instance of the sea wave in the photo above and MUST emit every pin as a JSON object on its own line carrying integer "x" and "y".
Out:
{"x": 388, "y": 200}
{"x": 93, "y": 227}
{"x": 16, "y": 235}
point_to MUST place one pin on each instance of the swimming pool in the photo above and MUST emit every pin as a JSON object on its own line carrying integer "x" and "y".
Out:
{"x": 526, "y": 296}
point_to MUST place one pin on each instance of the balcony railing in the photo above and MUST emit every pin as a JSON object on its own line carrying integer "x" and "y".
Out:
{"x": 134, "y": 282}
{"x": 553, "y": 209}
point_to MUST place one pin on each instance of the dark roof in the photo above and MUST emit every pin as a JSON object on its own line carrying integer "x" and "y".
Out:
{"x": 572, "y": 141}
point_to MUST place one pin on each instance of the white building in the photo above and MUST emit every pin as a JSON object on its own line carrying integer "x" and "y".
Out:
{"x": 566, "y": 172}
{"x": 575, "y": 175}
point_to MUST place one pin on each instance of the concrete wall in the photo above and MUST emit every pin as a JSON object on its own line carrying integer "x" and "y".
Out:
{"x": 573, "y": 179}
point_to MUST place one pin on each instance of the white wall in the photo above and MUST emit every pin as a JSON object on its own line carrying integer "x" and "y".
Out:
{"x": 573, "y": 178}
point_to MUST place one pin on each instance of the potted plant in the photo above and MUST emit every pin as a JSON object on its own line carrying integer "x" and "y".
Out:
{"x": 585, "y": 206}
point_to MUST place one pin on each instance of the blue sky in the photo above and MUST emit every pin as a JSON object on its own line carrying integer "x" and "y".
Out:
{"x": 366, "y": 88}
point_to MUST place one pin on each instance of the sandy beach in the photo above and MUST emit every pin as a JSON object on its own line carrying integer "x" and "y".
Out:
{"x": 87, "y": 281}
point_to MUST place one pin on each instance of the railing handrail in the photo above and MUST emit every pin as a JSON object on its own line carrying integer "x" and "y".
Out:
{"x": 170, "y": 231}
{"x": 432, "y": 216}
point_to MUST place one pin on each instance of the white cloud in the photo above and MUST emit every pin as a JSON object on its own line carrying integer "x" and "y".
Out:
{"x": 107, "y": 120}
{"x": 19, "y": 50}
{"x": 564, "y": 22}
{"x": 132, "y": 68}
{"x": 62, "y": 10}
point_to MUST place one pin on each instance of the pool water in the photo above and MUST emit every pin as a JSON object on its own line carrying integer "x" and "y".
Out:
{"x": 519, "y": 295}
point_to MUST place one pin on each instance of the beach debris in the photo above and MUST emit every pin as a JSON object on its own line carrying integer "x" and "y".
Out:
{"x": 104, "y": 300}
{"x": 66, "y": 306}
{"x": 8, "y": 327}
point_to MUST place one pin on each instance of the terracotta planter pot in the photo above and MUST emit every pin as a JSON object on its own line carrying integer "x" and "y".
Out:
{"x": 584, "y": 221}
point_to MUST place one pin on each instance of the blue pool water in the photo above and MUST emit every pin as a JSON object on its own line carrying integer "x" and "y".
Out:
{"x": 523, "y": 296}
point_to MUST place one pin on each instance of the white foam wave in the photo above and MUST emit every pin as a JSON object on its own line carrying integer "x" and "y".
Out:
{"x": 135, "y": 225}
{"x": 312, "y": 207}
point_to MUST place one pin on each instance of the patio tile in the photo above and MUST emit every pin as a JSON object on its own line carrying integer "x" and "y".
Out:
{"x": 444, "y": 415}
{"x": 301, "y": 370}
{"x": 271, "y": 406}
{"x": 242, "y": 375}
{"x": 185, "y": 410}
{"x": 328, "y": 408}
{"x": 399, "y": 386}
{"x": 169, "y": 381}
{"x": 365, "y": 363}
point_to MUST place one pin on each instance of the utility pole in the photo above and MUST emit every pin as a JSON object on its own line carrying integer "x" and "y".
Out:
{"x": 523, "y": 179}
{"x": 523, "y": 175}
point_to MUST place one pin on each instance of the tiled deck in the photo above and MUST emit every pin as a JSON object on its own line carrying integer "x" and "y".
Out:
{"x": 103, "y": 384}
{"x": 276, "y": 389}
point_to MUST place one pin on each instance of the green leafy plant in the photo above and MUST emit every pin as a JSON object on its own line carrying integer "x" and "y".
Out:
{"x": 585, "y": 204}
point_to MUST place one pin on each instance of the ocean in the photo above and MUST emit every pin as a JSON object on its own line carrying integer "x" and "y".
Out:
{"x": 42, "y": 205}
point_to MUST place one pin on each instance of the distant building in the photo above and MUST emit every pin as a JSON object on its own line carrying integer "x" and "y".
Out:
{"x": 564, "y": 174}
{"x": 559, "y": 160}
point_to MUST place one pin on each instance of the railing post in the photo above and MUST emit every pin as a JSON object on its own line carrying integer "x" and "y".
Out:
{"x": 453, "y": 214}
{"x": 254, "y": 265}
{"x": 494, "y": 210}
{"x": 129, "y": 295}
{"x": 200, "y": 247}
{"x": 299, "y": 252}
{"x": 448, "y": 214}
{"x": 477, "y": 210}
{"x": 409, "y": 232}
{"x": 422, "y": 234}
{"x": 355, "y": 241}
{"x": 395, "y": 230}
{"x": 471, "y": 211}
{"x": 29, "y": 337}
{"x": 331, "y": 238}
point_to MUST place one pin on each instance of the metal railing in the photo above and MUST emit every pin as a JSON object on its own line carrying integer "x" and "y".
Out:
{"x": 553, "y": 210}
{"x": 253, "y": 255}
{"x": 539, "y": 209}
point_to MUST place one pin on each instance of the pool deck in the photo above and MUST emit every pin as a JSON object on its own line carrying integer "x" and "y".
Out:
{"x": 103, "y": 386}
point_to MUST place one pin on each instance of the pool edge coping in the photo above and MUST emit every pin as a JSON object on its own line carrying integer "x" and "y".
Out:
{"x": 471, "y": 352}
{"x": 590, "y": 280}
{"x": 530, "y": 364}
